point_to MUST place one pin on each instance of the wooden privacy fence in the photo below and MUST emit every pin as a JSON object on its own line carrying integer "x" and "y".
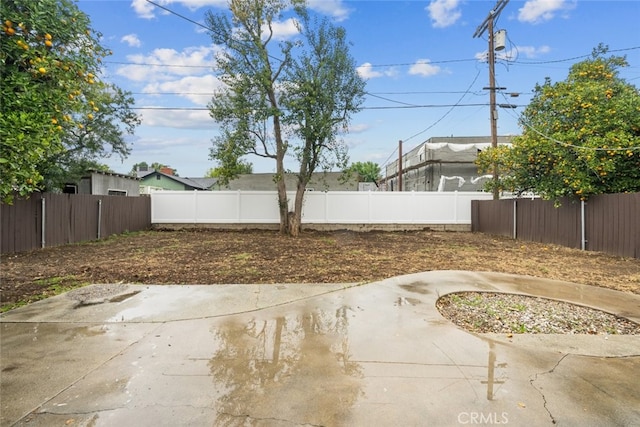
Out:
{"x": 606, "y": 223}
{"x": 46, "y": 220}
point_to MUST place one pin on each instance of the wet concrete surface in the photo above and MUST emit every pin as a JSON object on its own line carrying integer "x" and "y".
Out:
{"x": 323, "y": 355}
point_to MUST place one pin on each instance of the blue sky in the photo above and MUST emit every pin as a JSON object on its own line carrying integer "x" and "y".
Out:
{"x": 425, "y": 71}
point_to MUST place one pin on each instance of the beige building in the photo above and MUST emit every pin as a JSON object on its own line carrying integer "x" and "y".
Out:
{"x": 442, "y": 164}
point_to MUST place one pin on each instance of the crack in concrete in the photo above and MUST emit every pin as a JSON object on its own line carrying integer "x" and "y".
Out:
{"x": 544, "y": 399}
{"x": 84, "y": 375}
{"x": 249, "y": 417}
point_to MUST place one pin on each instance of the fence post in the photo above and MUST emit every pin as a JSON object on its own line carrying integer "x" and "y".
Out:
{"x": 99, "y": 217}
{"x": 583, "y": 240}
{"x": 44, "y": 224}
{"x": 515, "y": 219}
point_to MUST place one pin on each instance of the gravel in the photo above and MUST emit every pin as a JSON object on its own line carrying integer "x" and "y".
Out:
{"x": 97, "y": 294}
{"x": 486, "y": 312}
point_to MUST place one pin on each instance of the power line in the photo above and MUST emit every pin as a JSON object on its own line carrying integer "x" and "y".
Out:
{"x": 555, "y": 61}
{"x": 440, "y": 119}
{"x": 457, "y": 104}
{"x": 519, "y": 62}
{"x": 198, "y": 24}
{"x": 363, "y": 108}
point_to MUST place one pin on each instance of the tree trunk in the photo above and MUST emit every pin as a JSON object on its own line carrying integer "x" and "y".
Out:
{"x": 295, "y": 218}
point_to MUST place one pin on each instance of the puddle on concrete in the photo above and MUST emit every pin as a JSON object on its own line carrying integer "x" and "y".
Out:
{"x": 400, "y": 301}
{"x": 85, "y": 331}
{"x": 271, "y": 365}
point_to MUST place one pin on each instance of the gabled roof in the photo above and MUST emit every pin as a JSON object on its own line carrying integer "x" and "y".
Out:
{"x": 193, "y": 183}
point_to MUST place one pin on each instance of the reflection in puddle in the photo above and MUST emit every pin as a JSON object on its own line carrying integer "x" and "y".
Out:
{"x": 407, "y": 301}
{"x": 85, "y": 331}
{"x": 491, "y": 374}
{"x": 286, "y": 365}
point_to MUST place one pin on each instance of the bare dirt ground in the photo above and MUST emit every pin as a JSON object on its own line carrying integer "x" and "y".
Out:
{"x": 223, "y": 257}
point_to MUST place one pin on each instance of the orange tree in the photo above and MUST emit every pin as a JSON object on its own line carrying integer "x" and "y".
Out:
{"x": 581, "y": 136}
{"x": 49, "y": 62}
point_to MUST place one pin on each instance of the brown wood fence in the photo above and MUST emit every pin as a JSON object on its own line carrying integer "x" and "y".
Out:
{"x": 69, "y": 218}
{"x": 606, "y": 223}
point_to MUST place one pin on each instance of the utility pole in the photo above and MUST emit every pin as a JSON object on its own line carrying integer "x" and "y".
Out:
{"x": 487, "y": 25}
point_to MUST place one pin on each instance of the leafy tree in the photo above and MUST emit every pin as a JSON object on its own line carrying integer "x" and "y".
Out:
{"x": 307, "y": 90}
{"x": 580, "y": 136}
{"x": 50, "y": 59}
{"x": 100, "y": 133}
{"x": 369, "y": 171}
{"x": 136, "y": 166}
{"x": 242, "y": 168}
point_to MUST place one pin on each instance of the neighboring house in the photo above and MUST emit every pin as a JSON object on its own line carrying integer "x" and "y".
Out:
{"x": 320, "y": 181}
{"x": 157, "y": 180}
{"x": 106, "y": 183}
{"x": 442, "y": 164}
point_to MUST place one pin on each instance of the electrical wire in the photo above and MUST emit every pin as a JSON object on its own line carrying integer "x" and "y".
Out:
{"x": 451, "y": 106}
{"x": 198, "y": 24}
{"x": 457, "y": 104}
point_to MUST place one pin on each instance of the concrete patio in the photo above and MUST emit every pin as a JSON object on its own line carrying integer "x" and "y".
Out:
{"x": 324, "y": 355}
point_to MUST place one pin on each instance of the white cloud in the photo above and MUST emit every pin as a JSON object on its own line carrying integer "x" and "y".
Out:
{"x": 132, "y": 40}
{"x": 334, "y": 8}
{"x": 366, "y": 71}
{"x": 529, "y": 51}
{"x": 536, "y": 11}
{"x": 154, "y": 116}
{"x": 444, "y": 13}
{"x": 359, "y": 128}
{"x": 422, "y": 67}
{"x": 282, "y": 30}
{"x": 165, "y": 64}
{"x": 143, "y": 9}
{"x": 197, "y": 89}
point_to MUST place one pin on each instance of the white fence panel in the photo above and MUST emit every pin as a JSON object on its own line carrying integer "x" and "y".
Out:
{"x": 333, "y": 207}
{"x": 175, "y": 207}
{"x": 259, "y": 207}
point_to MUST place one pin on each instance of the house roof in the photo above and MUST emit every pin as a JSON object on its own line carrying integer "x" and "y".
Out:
{"x": 120, "y": 175}
{"x": 194, "y": 183}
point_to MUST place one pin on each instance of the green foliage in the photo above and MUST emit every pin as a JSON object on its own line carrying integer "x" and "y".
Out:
{"x": 368, "y": 171}
{"x": 224, "y": 175}
{"x": 305, "y": 89}
{"x": 580, "y": 136}
{"x": 51, "y": 96}
{"x": 322, "y": 91}
{"x": 100, "y": 134}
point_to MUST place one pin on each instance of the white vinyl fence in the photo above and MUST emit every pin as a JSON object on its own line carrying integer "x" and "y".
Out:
{"x": 333, "y": 207}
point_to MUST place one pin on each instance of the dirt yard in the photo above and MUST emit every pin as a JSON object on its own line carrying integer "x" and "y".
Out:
{"x": 222, "y": 257}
